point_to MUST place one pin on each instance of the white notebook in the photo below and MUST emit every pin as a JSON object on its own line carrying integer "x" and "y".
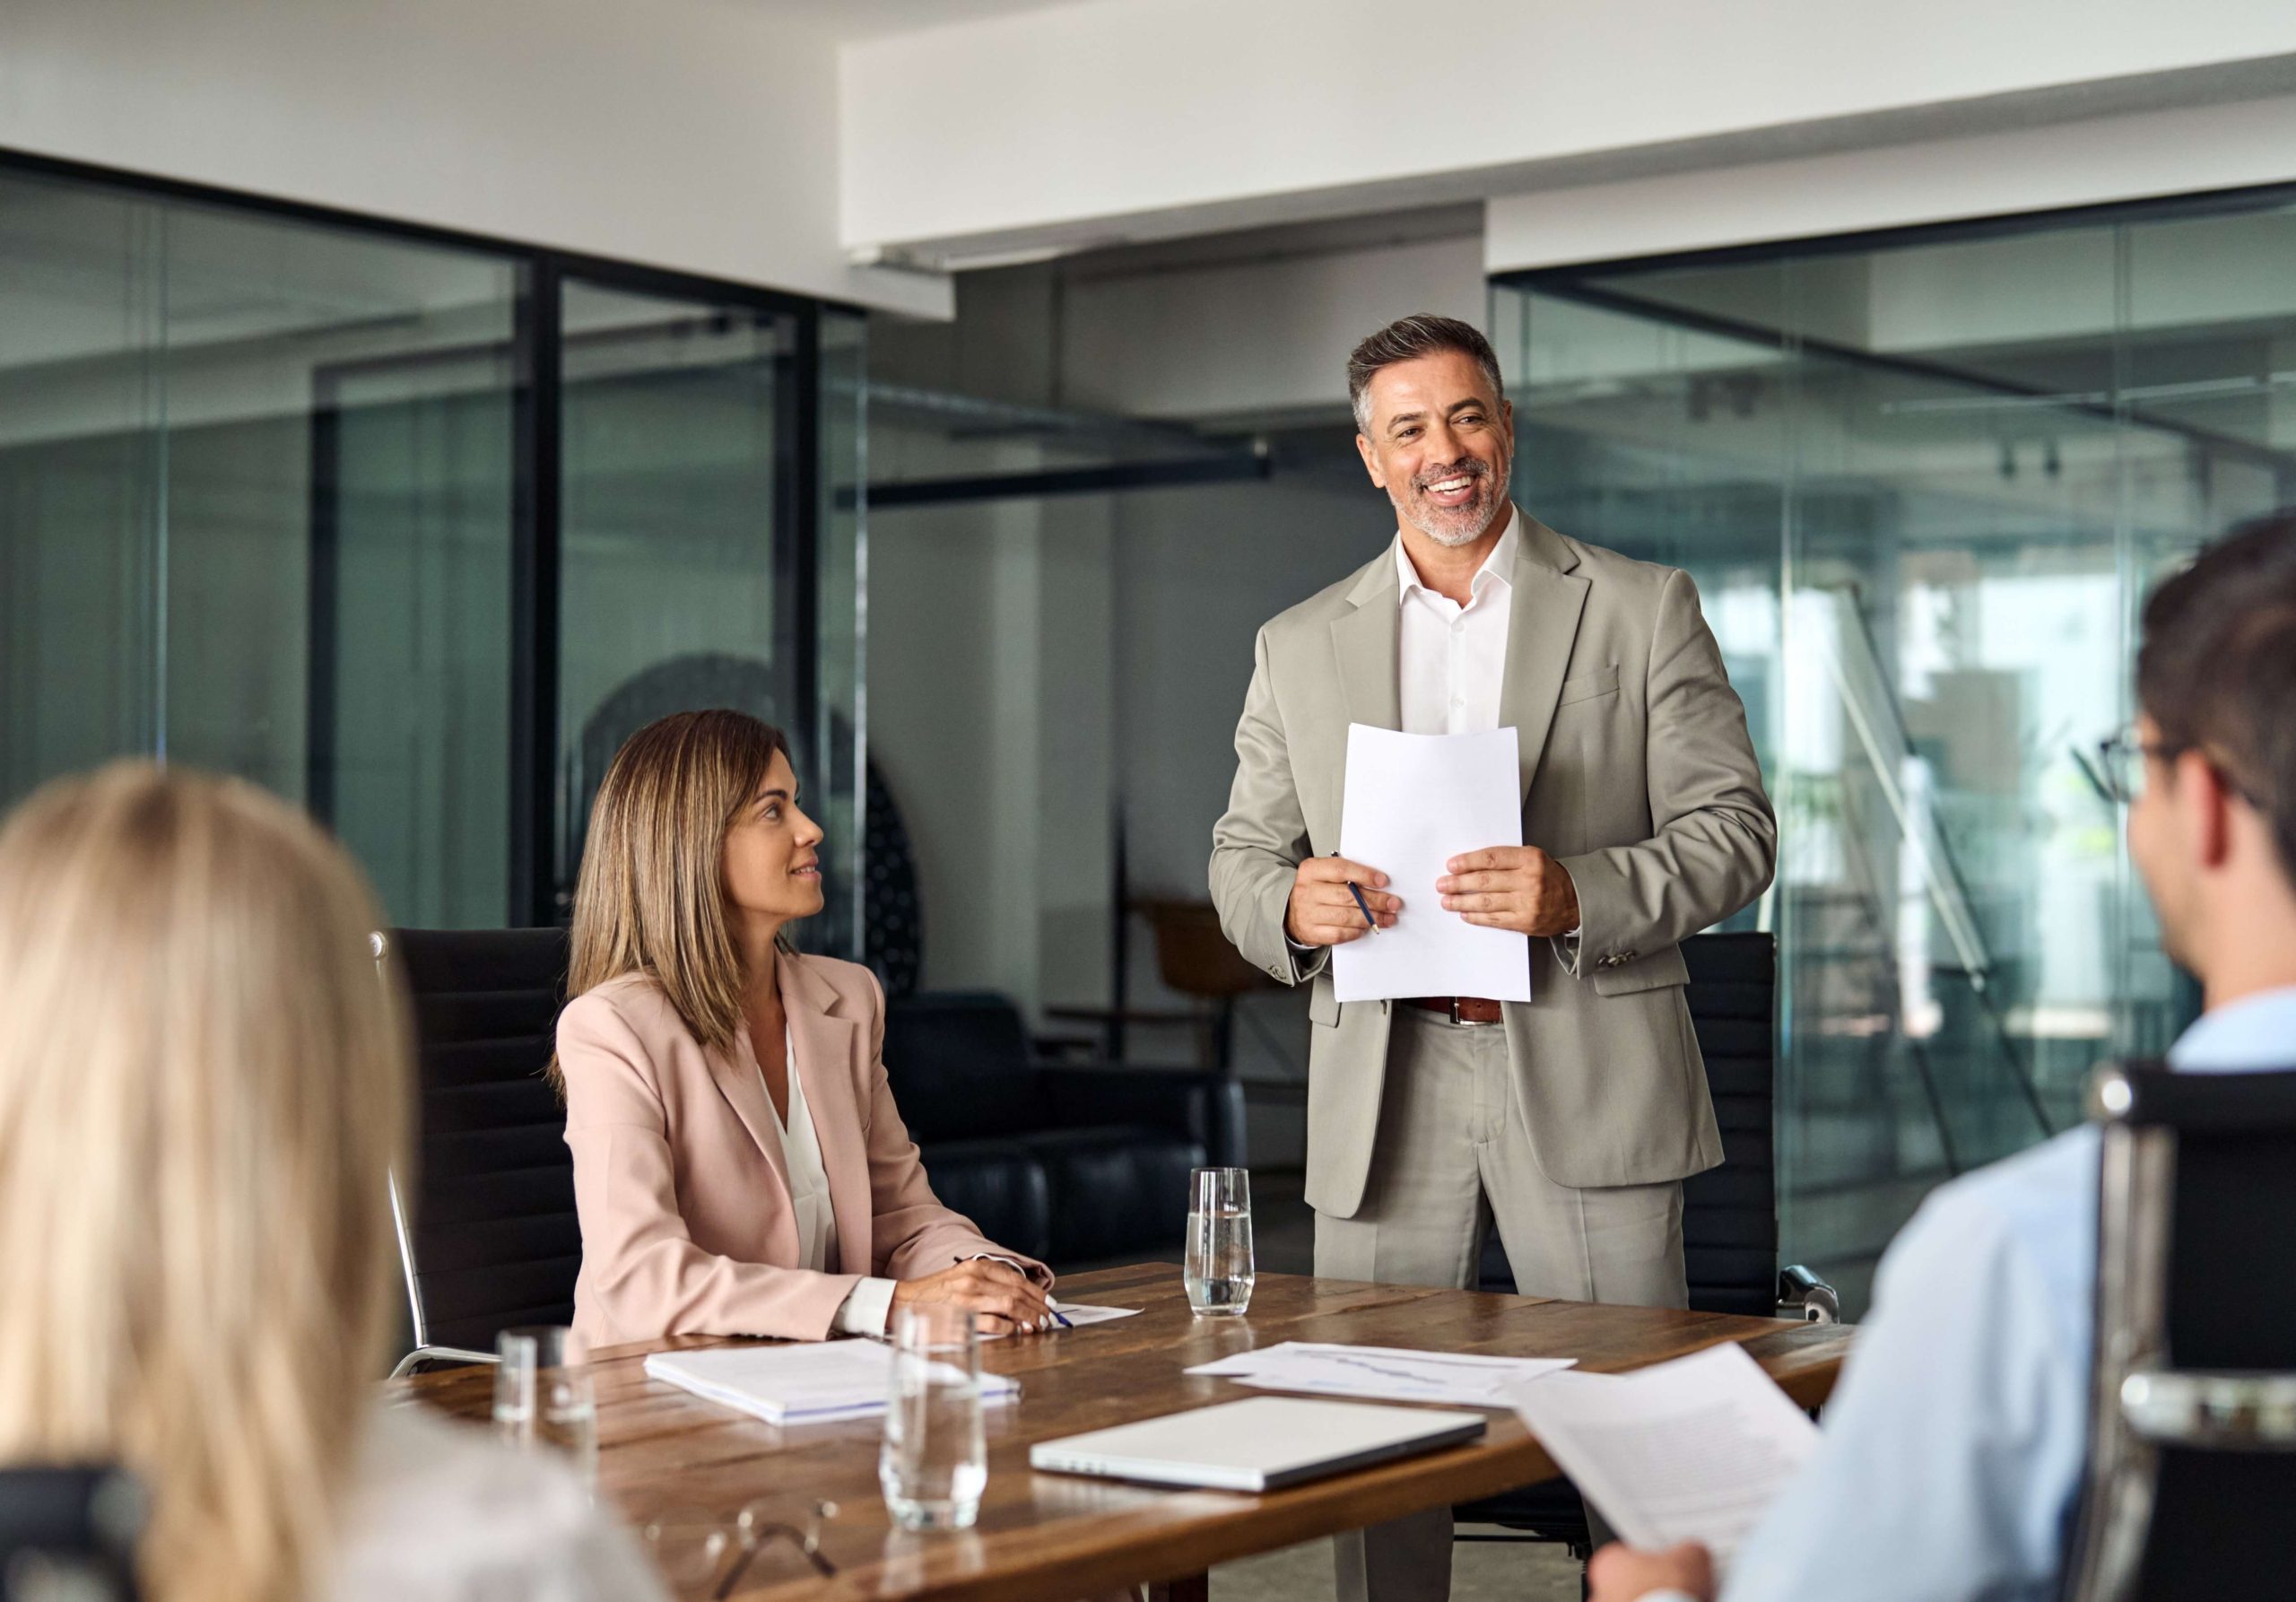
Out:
{"x": 1262, "y": 1444}
{"x": 805, "y": 1382}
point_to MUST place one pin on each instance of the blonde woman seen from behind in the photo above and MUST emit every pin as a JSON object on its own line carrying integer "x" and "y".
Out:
{"x": 739, "y": 1165}
{"x": 203, "y": 1088}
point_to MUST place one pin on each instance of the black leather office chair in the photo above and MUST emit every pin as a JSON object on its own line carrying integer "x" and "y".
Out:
{"x": 1729, "y": 1213}
{"x": 2192, "y": 1451}
{"x": 488, "y": 1235}
{"x": 69, "y": 1533}
{"x": 1068, "y": 1163}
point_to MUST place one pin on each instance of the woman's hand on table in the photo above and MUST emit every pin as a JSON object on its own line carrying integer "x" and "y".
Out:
{"x": 1002, "y": 1298}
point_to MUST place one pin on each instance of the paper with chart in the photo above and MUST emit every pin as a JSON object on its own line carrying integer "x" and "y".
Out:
{"x": 1412, "y": 803}
{"x": 1391, "y": 1373}
{"x": 1695, "y": 1449}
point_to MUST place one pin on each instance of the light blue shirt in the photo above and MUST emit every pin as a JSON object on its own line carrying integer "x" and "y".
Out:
{"x": 1953, "y": 1450}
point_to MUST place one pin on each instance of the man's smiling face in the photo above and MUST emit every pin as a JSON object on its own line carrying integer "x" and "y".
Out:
{"x": 1440, "y": 443}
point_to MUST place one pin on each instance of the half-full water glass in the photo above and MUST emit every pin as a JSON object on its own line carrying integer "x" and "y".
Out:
{"x": 1218, "y": 1269}
{"x": 542, "y": 1396}
{"x": 935, "y": 1461}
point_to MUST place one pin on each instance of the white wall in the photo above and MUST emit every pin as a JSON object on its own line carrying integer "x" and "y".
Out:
{"x": 1111, "y": 119}
{"x": 1252, "y": 337}
{"x": 2078, "y": 163}
{"x": 692, "y": 135}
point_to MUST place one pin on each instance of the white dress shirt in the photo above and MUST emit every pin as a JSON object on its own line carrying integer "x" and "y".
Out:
{"x": 865, "y": 1310}
{"x": 1952, "y": 1454}
{"x": 1453, "y": 659}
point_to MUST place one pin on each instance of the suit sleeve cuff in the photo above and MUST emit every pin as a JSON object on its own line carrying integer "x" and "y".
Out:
{"x": 1025, "y": 1270}
{"x": 867, "y": 1308}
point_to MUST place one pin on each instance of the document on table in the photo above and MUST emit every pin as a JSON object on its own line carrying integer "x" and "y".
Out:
{"x": 1689, "y": 1451}
{"x": 1412, "y": 803}
{"x": 1078, "y": 1315}
{"x": 802, "y": 1383}
{"x": 1391, "y": 1373}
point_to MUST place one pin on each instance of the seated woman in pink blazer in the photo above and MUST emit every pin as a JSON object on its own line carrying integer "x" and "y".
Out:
{"x": 739, "y": 1165}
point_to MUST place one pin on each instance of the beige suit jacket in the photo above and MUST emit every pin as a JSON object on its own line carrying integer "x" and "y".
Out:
{"x": 1636, "y": 773}
{"x": 688, "y": 1227}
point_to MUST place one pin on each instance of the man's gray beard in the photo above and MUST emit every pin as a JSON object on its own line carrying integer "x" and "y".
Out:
{"x": 1475, "y": 519}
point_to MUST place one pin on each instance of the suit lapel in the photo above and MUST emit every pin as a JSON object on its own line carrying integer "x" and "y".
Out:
{"x": 1541, "y": 623}
{"x": 825, "y": 1045}
{"x": 735, "y": 1070}
{"x": 1365, "y": 642}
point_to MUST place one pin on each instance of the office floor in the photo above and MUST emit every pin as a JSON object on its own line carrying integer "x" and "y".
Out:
{"x": 1283, "y": 1236}
{"x": 1480, "y": 1571}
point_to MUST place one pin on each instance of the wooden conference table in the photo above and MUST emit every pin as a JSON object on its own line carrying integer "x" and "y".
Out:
{"x": 1045, "y": 1537}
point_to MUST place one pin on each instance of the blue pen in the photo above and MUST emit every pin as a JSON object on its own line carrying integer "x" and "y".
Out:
{"x": 1363, "y": 907}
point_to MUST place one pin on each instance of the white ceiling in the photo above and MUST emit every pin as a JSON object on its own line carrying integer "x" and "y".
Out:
{"x": 871, "y": 18}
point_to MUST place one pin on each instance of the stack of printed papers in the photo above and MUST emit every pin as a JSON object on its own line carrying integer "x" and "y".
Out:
{"x": 1391, "y": 1373}
{"x": 810, "y": 1383}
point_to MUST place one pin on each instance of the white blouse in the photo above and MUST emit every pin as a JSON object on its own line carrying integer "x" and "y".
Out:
{"x": 866, "y": 1307}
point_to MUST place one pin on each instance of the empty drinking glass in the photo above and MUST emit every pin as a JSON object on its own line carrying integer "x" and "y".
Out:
{"x": 935, "y": 1461}
{"x": 543, "y": 1395}
{"x": 1218, "y": 1270}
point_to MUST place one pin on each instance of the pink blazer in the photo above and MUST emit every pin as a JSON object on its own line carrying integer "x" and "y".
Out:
{"x": 687, "y": 1224}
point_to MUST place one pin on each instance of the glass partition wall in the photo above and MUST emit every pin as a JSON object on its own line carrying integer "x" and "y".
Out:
{"x": 1923, "y": 483}
{"x": 410, "y": 528}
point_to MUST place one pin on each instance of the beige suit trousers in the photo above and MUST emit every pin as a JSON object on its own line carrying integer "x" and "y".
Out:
{"x": 1453, "y": 1156}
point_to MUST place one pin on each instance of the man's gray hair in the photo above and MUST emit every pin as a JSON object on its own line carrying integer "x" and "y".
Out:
{"x": 1408, "y": 338}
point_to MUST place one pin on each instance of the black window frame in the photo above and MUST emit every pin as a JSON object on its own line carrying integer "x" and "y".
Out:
{"x": 537, "y": 532}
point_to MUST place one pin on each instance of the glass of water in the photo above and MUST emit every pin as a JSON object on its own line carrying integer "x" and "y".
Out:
{"x": 935, "y": 1461}
{"x": 542, "y": 1396}
{"x": 1218, "y": 1271}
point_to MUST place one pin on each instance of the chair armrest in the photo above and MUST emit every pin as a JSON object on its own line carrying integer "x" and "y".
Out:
{"x": 1201, "y": 1103}
{"x": 1801, "y": 1294}
{"x": 422, "y": 1357}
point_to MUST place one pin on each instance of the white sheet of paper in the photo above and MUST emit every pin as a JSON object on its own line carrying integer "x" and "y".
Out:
{"x": 1078, "y": 1314}
{"x": 1393, "y": 1373}
{"x": 1413, "y": 803}
{"x": 1689, "y": 1451}
{"x": 803, "y": 1382}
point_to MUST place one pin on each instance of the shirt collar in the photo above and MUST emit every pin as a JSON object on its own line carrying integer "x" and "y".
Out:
{"x": 2255, "y": 1031}
{"x": 1495, "y": 568}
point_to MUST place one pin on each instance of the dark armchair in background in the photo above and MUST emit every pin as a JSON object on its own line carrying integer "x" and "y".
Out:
{"x": 1072, "y": 1164}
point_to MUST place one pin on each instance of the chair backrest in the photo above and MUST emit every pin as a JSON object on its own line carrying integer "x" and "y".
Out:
{"x": 491, "y": 1238}
{"x": 69, "y": 1533}
{"x": 1730, "y": 1212}
{"x": 2192, "y": 1459}
{"x": 959, "y": 1064}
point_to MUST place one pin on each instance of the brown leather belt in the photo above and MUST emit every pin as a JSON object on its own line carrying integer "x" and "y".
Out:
{"x": 1459, "y": 1009}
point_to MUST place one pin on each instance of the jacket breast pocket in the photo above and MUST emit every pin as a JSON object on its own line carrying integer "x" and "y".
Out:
{"x": 1587, "y": 686}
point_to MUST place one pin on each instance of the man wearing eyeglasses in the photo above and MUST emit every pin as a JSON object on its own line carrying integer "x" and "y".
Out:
{"x": 1952, "y": 1453}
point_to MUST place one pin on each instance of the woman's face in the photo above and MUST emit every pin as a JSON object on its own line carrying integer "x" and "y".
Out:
{"x": 771, "y": 868}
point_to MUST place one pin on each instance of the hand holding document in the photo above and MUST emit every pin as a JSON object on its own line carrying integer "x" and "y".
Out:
{"x": 1391, "y": 1373}
{"x": 1413, "y": 803}
{"x": 1689, "y": 1451}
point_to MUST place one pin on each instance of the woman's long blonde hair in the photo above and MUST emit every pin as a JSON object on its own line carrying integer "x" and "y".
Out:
{"x": 651, "y": 896}
{"x": 203, "y": 1086}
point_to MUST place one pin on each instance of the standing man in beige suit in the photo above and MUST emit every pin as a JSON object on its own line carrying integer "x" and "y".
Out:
{"x": 1571, "y": 1120}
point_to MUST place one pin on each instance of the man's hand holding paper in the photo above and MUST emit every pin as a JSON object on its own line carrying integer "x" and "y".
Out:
{"x": 1519, "y": 888}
